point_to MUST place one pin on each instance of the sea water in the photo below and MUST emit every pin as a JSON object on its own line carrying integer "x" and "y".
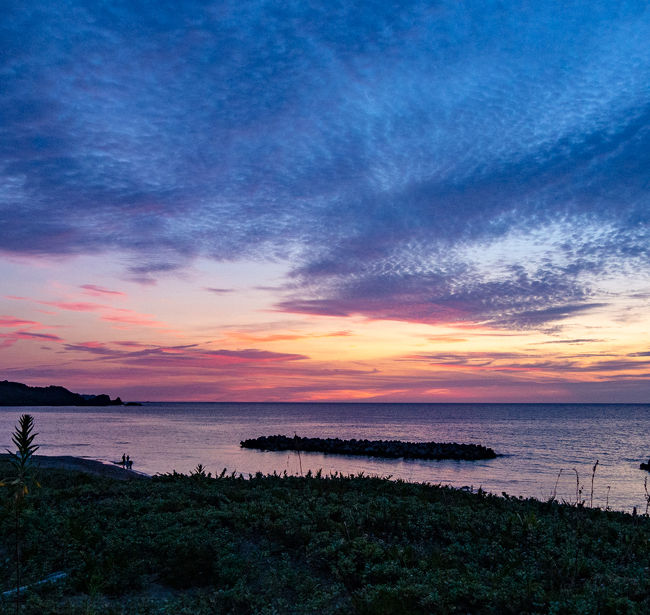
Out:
{"x": 546, "y": 449}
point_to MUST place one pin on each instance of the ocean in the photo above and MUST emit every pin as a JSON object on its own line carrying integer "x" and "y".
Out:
{"x": 545, "y": 448}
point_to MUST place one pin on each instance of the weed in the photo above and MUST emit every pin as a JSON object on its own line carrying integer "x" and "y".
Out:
{"x": 19, "y": 482}
{"x": 591, "y": 495}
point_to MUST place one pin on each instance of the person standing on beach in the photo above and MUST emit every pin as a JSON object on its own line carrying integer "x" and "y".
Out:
{"x": 123, "y": 460}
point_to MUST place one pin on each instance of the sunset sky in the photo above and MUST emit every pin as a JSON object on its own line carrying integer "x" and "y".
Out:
{"x": 296, "y": 201}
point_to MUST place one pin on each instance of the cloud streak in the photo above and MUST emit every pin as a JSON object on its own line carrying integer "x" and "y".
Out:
{"x": 98, "y": 291}
{"x": 7, "y": 340}
{"x": 185, "y": 356}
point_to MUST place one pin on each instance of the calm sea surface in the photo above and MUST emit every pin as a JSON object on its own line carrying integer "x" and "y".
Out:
{"x": 537, "y": 441}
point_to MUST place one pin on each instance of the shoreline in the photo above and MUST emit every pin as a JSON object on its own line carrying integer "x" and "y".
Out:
{"x": 95, "y": 467}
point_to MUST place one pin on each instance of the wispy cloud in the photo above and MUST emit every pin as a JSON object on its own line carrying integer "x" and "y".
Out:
{"x": 579, "y": 340}
{"x": 252, "y": 354}
{"x": 184, "y": 356}
{"x": 9, "y": 339}
{"x": 75, "y": 306}
{"x": 96, "y": 348}
{"x": 129, "y": 317}
{"x": 121, "y": 316}
{"x": 10, "y": 321}
{"x": 98, "y": 291}
{"x": 219, "y": 291}
{"x": 282, "y": 337}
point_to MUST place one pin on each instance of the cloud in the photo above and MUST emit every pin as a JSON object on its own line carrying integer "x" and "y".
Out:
{"x": 9, "y": 339}
{"x": 40, "y": 336}
{"x": 10, "y": 321}
{"x": 418, "y": 162}
{"x": 96, "y": 348}
{"x": 530, "y": 363}
{"x": 582, "y": 340}
{"x": 108, "y": 313}
{"x": 98, "y": 291}
{"x": 283, "y": 337}
{"x": 219, "y": 291}
{"x": 252, "y": 354}
{"x": 75, "y": 306}
{"x": 521, "y": 302}
{"x": 186, "y": 355}
{"x": 129, "y": 317}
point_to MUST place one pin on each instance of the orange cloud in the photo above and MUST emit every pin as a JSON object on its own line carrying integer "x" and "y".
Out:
{"x": 282, "y": 337}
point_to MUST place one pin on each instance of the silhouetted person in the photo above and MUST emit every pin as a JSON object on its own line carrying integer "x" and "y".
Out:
{"x": 129, "y": 463}
{"x": 123, "y": 460}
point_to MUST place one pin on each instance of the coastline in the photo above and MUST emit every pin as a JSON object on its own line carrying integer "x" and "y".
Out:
{"x": 81, "y": 464}
{"x": 537, "y": 442}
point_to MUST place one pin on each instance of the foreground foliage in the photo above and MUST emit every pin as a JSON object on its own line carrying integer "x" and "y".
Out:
{"x": 19, "y": 482}
{"x": 274, "y": 544}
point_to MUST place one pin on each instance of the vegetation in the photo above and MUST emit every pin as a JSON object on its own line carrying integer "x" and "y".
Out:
{"x": 282, "y": 544}
{"x": 18, "y": 394}
{"x": 19, "y": 480}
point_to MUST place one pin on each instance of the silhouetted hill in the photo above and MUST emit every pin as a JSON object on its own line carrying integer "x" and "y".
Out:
{"x": 18, "y": 394}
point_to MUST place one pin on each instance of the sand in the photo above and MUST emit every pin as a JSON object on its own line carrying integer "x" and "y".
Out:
{"x": 88, "y": 466}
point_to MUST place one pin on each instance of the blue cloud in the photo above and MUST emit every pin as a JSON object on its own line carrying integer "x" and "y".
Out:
{"x": 374, "y": 145}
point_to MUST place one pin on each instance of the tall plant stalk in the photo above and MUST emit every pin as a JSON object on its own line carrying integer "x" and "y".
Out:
{"x": 20, "y": 480}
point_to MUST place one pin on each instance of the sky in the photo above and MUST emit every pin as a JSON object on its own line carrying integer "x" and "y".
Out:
{"x": 311, "y": 201}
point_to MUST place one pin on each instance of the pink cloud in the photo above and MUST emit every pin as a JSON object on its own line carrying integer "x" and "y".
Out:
{"x": 111, "y": 314}
{"x": 78, "y": 306}
{"x": 132, "y": 318}
{"x": 10, "y": 321}
{"x": 92, "y": 344}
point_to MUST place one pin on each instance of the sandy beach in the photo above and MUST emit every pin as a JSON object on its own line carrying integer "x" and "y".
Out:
{"x": 88, "y": 466}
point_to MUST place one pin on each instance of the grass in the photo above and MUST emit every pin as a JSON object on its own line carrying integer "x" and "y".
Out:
{"x": 276, "y": 544}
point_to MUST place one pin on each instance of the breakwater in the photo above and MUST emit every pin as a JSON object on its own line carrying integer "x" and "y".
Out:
{"x": 372, "y": 448}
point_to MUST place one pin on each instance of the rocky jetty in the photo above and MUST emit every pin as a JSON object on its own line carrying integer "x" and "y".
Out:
{"x": 18, "y": 394}
{"x": 372, "y": 448}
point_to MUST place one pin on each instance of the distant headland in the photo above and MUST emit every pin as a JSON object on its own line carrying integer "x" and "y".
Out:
{"x": 18, "y": 394}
